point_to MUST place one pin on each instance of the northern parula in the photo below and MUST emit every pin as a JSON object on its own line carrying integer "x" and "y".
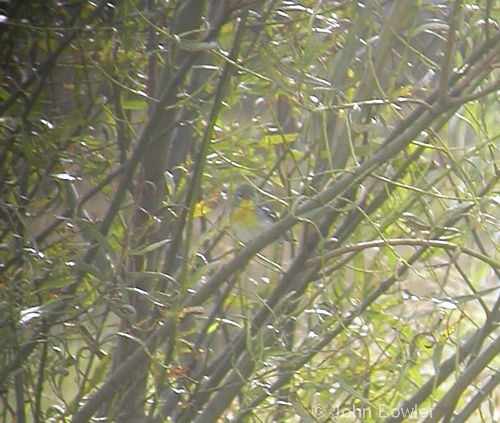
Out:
{"x": 248, "y": 218}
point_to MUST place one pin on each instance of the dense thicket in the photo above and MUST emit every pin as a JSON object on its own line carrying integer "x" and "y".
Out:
{"x": 371, "y": 127}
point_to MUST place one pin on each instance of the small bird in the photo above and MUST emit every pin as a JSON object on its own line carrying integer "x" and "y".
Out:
{"x": 248, "y": 218}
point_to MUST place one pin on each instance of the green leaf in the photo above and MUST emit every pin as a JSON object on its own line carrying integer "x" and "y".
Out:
{"x": 276, "y": 139}
{"x": 303, "y": 413}
{"x": 134, "y": 104}
{"x": 351, "y": 391}
{"x": 148, "y": 248}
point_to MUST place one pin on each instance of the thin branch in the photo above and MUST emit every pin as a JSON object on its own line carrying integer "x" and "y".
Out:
{"x": 449, "y": 52}
{"x": 411, "y": 242}
{"x": 471, "y": 372}
{"x": 482, "y": 393}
